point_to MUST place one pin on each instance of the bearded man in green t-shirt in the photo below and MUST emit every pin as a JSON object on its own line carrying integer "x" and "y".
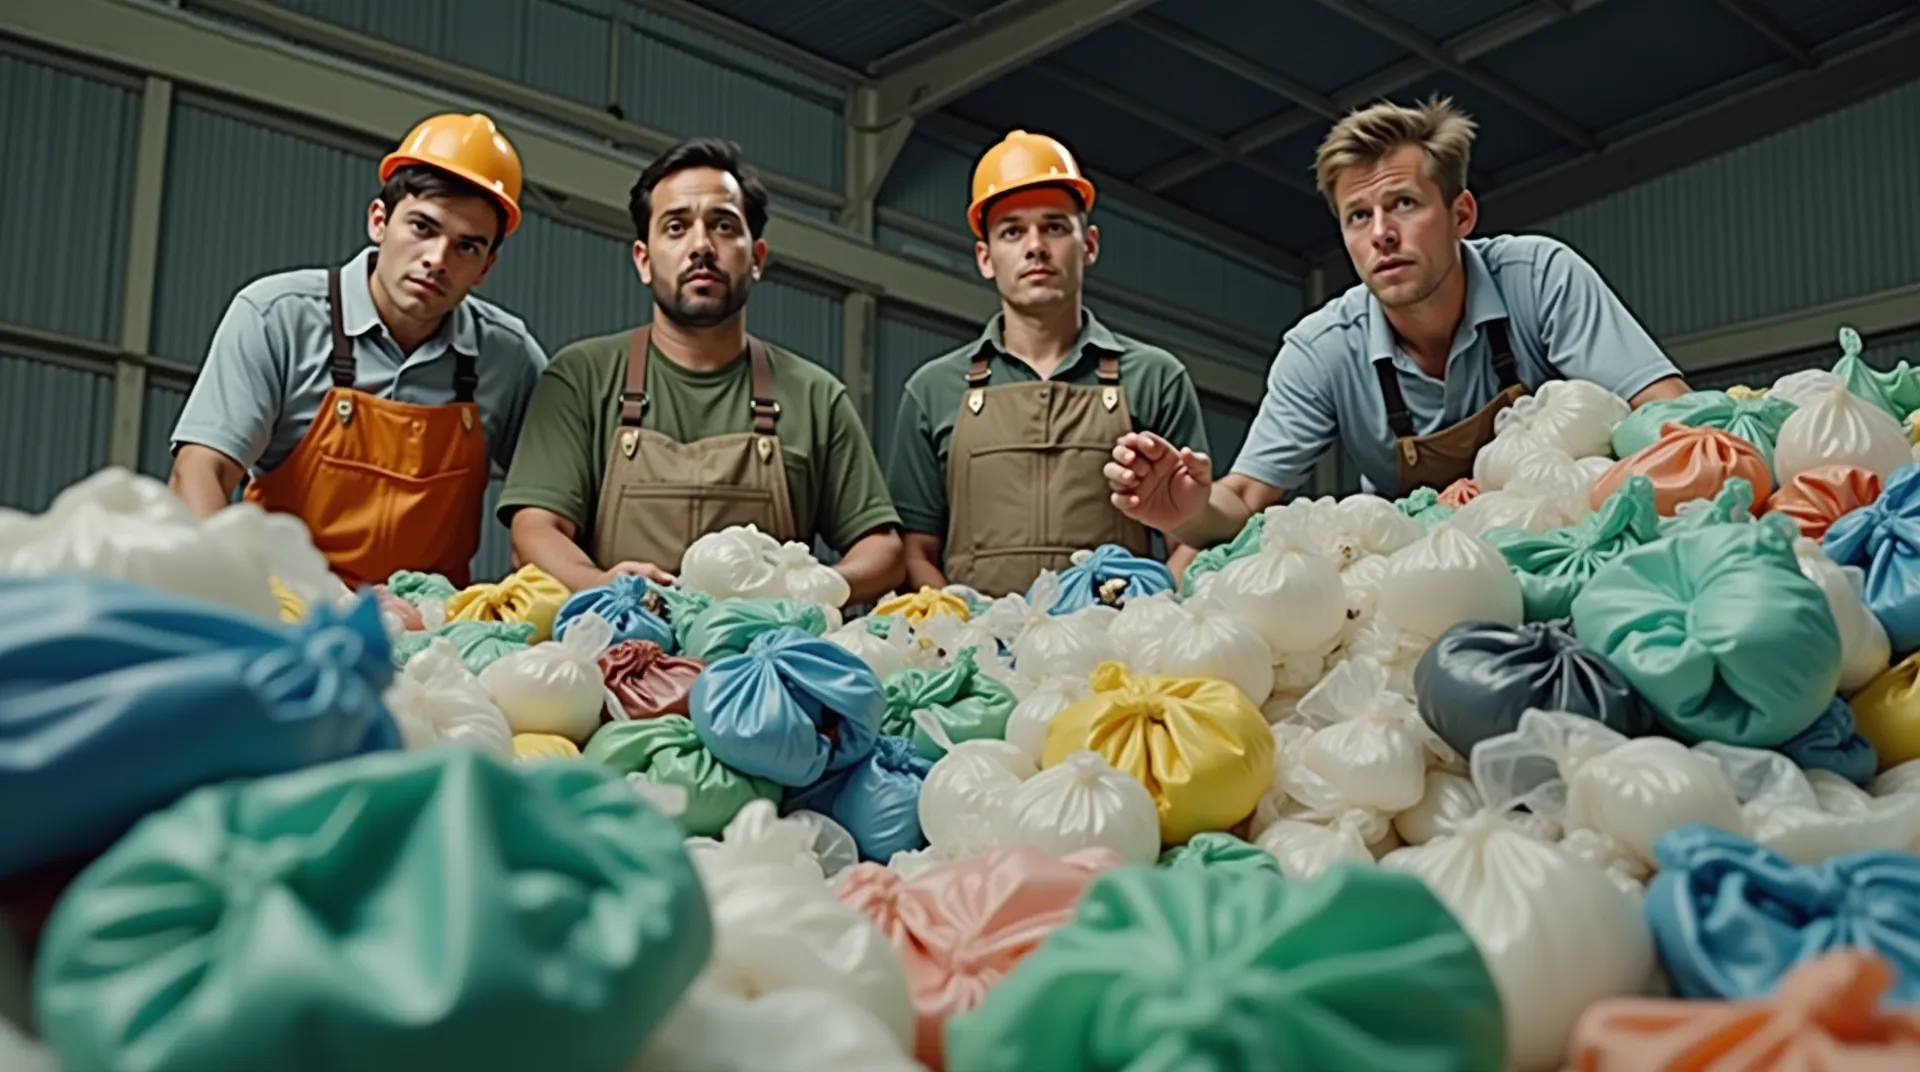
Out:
{"x": 639, "y": 443}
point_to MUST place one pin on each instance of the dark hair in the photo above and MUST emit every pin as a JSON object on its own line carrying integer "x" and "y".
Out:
{"x": 419, "y": 180}
{"x": 716, "y": 153}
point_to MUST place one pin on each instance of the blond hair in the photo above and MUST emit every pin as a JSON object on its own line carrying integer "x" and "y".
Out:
{"x": 1366, "y": 136}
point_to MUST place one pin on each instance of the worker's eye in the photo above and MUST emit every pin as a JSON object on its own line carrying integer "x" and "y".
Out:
{"x": 420, "y": 228}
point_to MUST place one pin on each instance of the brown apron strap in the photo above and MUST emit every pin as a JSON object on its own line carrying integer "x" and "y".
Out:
{"x": 340, "y": 360}
{"x": 1503, "y": 366}
{"x": 978, "y": 374}
{"x": 1398, "y": 417}
{"x": 633, "y": 400}
{"x": 766, "y": 411}
{"x": 466, "y": 376}
{"x": 1109, "y": 371}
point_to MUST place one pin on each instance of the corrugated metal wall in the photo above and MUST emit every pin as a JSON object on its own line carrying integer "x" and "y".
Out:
{"x": 54, "y": 423}
{"x": 159, "y": 412}
{"x": 1881, "y": 351}
{"x": 902, "y": 343}
{"x": 1227, "y": 426}
{"x": 1813, "y": 214}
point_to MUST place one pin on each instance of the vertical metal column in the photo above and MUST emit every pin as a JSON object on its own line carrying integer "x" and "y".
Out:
{"x": 143, "y": 259}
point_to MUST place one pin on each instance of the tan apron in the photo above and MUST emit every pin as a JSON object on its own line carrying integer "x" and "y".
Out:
{"x": 657, "y": 496}
{"x": 1440, "y": 458}
{"x": 1024, "y": 483}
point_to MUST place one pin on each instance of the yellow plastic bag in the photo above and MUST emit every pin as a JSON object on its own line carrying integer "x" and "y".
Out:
{"x": 292, "y": 607}
{"x": 1198, "y": 744}
{"x": 535, "y": 747}
{"x": 526, "y": 595}
{"x": 1887, "y": 712}
{"x": 1913, "y": 427}
{"x": 917, "y": 607}
{"x": 1741, "y": 392}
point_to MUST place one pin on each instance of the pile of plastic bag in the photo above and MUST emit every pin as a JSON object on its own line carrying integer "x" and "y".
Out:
{"x": 1607, "y": 758}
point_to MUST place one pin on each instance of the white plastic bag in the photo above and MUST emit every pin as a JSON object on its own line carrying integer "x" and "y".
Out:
{"x": 436, "y": 699}
{"x": 1306, "y": 849}
{"x": 1804, "y": 815}
{"x": 120, "y": 524}
{"x": 1142, "y": 625}
{"x": 798, "y": 1029}
{"x": 1367, "y": 526}
{"x": 281, "y": 547}
{"x": 1839, "y": 428}
{"x": 556, "y": 686}
{"x": 1084, "y": 803}
{"x": 938, "y": 639}
{"x": 804, "y": 579}
{"x": 1288, "y": 590}
{"x": 1027, "y": 725}
{"x": 885, "y": 655}
{"x": 1554, "y": 478}
{"x": 1447, "y": 800}
{"x": 1805, "y": 386}
{"x": 18, "y": 1053}
{"x": 1505, "y": 508}
{"x": 964, "y": 798}
{"x": 1368, "y": 748}
{"x": 1578, "y": 417}
{"x": 1585, "y": 775}
{"x": 777, "y": 928}
{"x": 1496, "y": 462}
{"x": 1865, "y": 650}
{"x": 1557, "y": 933}
{"x": 757, "y": 835}
{"x": 1900, "y": 780}
{"x": 1447, "y": 578}
{"x": 1045, "y": 644}
{"x": 1206, "y": 641}
{"x": 739, "y": 561}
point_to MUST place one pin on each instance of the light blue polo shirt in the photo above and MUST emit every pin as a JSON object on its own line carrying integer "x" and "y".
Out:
{"x": 1322, "y": 391}
{"x": 267, "y": 367}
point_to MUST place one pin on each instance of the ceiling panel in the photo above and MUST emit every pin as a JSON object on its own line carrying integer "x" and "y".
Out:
{"x": 851, "y": 32}
{"x": 1102, "y": 137}
{"x": 1297, "y": 38}
{"x": 1816, "y": 22}
{"x": 1441, "y": 19}
{"x": 1259, "y": 208}
{"x": 1148, "y": 70}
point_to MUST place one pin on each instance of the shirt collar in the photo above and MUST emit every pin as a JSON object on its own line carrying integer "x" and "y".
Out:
{"x": 359, "y": 316}
{"x": 1094, "y": 336}
{"x": 1484, "y": 304}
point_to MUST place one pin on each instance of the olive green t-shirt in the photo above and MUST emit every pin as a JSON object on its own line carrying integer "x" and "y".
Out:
{"x": 1158, "y": 391}
{"x": 833, "y": 477}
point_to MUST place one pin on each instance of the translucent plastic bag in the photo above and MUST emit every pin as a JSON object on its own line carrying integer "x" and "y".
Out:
{"x": 436, "y": 700}
{"x": 1804, "y": 386}
{"x": 1575, "y": 416}
{"x": 794, "y": 1029}
{"x": 886, "y": 650}
{"x": 1577, "y": 772}
{"x": 1363, "y": 526}
{"x": 1045, "y": 644}
{"x": 808, "y": 842}
{"x": 555, "y": 686}
{"x": 1783, "y": 810}
{"x": 1142, "y": 626}
{"x": 1306, "y": 850}
{"x": 1289, "y": 591}
{"x": 1199, "y": 638}
{"x": 965, "y": 797}
{"x": 1840, "y": 428}
{"x": 739, "y": 561}
{"x": 1369, "y": 743}
{"x": 802, "y": 578}
{"x": 1865, "y": 650}
{"x": 1084, "y": 803}
{"x": 1448, "y": 577}
{"x": 1027, "y": 726}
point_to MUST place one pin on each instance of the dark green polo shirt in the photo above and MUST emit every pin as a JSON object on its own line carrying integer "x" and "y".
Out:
{"x": 1159, "y": 394}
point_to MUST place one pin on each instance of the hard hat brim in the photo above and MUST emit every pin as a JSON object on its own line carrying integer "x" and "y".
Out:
{"x": 976, "y": 212}
{"x": 393, "y": 162}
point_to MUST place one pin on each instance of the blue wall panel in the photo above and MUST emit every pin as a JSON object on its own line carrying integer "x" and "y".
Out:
{"x": 159, "y": 412}
{"x": 901, "y": 346}
{"x": 54, "y": 426}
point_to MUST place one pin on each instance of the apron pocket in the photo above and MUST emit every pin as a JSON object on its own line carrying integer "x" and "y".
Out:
{"x": 359, "y": 509}
{"x": 1078, "y": 511}
{"x": 1003, "y": 490}
{"x": 658, "y": 522}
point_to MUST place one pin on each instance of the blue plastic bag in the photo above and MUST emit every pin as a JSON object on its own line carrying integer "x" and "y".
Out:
{"x": 790, "y": 708}
{"x": 1883, "y": 539}
{"x": 115, "y": 699}
{"x": 627, "y": 603}
{"x": 1110, "y": 576}
{"x": 880, "y": 802}
{"x": 1833, "y": 744}
{"x": 1731, "y": 918}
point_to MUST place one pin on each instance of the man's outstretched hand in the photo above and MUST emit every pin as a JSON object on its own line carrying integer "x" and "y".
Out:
{"x": 1156, "y": 483}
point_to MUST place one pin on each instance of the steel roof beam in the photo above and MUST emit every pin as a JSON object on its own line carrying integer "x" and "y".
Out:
{"x": 1771, "y": 28}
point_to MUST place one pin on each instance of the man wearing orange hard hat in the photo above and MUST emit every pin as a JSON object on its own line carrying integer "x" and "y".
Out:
{"x": 369, "y": 399}
{"x": 997, "y": 452}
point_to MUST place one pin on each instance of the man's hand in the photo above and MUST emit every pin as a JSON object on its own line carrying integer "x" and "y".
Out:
{"x": 1157, "y": 484}
{"x": 638, "y": 569}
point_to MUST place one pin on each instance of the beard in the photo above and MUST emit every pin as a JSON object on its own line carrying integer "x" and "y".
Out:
{"x": 686, "y": 310}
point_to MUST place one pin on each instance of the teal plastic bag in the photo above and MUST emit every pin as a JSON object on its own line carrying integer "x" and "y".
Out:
{"x": 968, "y": 703}
{"x": 435, "y": 909}
{"x": 1719, "y": 631}
{"x": 727, "y": 626}
{"x": 1897, "y": 392}
{"x": 1424, "y": 507}
{"x": 479, "y": 643}
{"x": 1553, "y": 566}
{"x": 416, "y": 587}
{"x": 1731, "y": 505}
{"x": 1215, "y": 849}
{"x": 1215, "y": 558}
{"x": 667, "y": 751}
{"x": 1211, "y": 969}
{"x": 1756, "y": 420}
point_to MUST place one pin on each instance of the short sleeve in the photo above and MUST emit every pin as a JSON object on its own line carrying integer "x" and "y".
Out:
{"x": 914, "y": 474}
{"x": 1588, "y": 331}
{"x": 236, "y": 398}
{"x": 854, "y": 498}
{"x": 1295, "y": 424}
{"x": 554, "y": 460}
{"x": 532, "y": 361}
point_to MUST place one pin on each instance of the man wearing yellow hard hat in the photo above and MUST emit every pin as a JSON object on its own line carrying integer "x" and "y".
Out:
{"x": 997, "y": 452}
{"x": 369, "y": 399}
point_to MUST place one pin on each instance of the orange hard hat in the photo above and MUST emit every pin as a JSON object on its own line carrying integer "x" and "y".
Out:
{"x": 1021, "y": 160}
{"x": 468, "y": 146}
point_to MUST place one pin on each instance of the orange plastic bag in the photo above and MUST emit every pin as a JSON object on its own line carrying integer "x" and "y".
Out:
{"x": 961, "y": 927}
{"x": 1826, "y": 1017}
{"x": 1818, "y": 497}
{"x": 1459, "y": 493}
{"x": 1686, "y": 464}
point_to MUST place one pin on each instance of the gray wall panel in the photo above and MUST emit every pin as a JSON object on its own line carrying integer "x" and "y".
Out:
{"x": 66, "y": 162}
{"x": 566, "y": 282}
{"x": 800, "y": 318}
{"x": 159, "y": 412}
{"x": 1227, "y": 426}
{"x": 901, "y": 346}
{"x": 495, "y": 557}
{"x": 1881, "y": 351}
{"x": 54, "y": 426}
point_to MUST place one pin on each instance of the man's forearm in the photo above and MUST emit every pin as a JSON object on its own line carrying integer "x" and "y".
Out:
{"x": 1220, "y": 520}
{"x": 923, "y": 561}
{"x": 203, "y": 480}
{"x": 554, "y": 551}
{"x": 873, "y": 566}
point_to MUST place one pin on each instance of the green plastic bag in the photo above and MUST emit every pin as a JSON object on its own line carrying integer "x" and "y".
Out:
{"x": 416, "y": 588}
{"x": 1719, "y": 631}
{"x": 1756, "y": 420}
{"x": 1424, "y": 507}
{"x": 1897, "y": 392}
{"x": 1215, "y": 558}
{"x": 666, "y": 751}
{"x": 432, "y": 909}
{"x": 678, "y": 607}
{"x": 1731, "y": 505}
{"x": 479, "y": 643}
{"x": 1214, "y": 849}
{"x": 1211, "y": 969}
{"x": 1552, "y": 567}
{"x": 727, "y": 626}
{"x": 969, "y": 704}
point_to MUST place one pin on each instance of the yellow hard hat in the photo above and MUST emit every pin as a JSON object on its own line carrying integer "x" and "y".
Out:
{"x": 1021, "y": 160}
{"x": 468, "y": 146}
